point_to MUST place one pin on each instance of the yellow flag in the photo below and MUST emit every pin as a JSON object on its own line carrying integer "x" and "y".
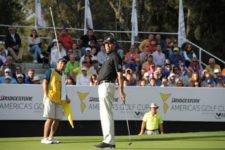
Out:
{"x": 68, "y": 112}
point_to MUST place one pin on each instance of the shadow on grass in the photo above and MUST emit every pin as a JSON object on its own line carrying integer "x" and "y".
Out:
{"x": 161, "y": 138}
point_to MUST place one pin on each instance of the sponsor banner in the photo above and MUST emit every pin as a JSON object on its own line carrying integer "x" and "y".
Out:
{"x": 24, "y": 102}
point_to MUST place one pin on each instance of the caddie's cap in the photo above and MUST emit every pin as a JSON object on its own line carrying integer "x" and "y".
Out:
{"x": 62, "y": 59}
{"x": 154, "y": 105}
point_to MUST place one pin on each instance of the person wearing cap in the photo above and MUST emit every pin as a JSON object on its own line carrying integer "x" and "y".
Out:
{"x": 7, "y": 74}
{"x": 83, "y": 78}
{"x": 176, "y": 58}
{"x": 13, "y": 44}
{"x": 20, "y": 78}
{"x": 52, "y": 100}
{"x": 36, "y": 80}
{"x": 212, "y": 66}
{"x": 152, "y": 122}
{"x": 87, "y": 54}
{"x": 109, "y": 72}
{"x": 57, "y": 53}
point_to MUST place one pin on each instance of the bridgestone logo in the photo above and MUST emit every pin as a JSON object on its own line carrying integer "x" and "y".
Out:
{"x": 16, "y": 98}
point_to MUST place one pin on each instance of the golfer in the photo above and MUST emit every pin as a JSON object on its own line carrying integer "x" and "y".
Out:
{"x": 152, "y": 122}
{"x": 109, "y": 72}
{"x": 53, "y": 111}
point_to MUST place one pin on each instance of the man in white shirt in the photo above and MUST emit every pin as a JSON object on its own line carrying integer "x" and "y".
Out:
{"x": 83, "y": 78}
{"x": 102, "y": 55}
{"x": 56, "y": 54}
{"x": 158, "y": 56}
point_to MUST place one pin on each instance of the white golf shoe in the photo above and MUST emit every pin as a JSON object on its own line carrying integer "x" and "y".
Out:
{"x": 46, "y": 141}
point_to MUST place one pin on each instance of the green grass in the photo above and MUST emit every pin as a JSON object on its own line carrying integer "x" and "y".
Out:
{"x": 198, "y": 141}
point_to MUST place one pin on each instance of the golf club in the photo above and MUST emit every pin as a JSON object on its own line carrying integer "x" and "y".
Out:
{"x": 128, "y": 128}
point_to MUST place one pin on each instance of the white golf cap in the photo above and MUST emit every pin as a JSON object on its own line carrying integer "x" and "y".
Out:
{"x": 154, "y": 105}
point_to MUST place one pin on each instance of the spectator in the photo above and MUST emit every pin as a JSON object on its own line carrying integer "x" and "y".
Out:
{"x": 158, "y": 56}
{"x": 3, "y": 53}
{"x": 101, "y": 55}
{"x": 36, "y": 80}
{"x": 176, "y": 58}
{"x": 83, "y": 78}
{"x": 7, "y": 80}
{"x": 179, "y": 83}
{"x": 93, "y": 80}
{"x": 87, "y": 54}
{"x": 66, "y": 39}
{"x": 67, "y": 57}
{"x": 34, "y": 42}
{"x": 30, "y": 76}
{"x": 142, "y": 82}
{"x": 167, "y": 68}
{"x": 149, "y": 65}
{"x": 160, "y": 41}
{"x": 69, "y": 81}
{"x": 7, "y": 76}
{"x": 183, "y": 74}
{"x": 13, "y": 44}
{"x": 71, "y": 64}
{"x": 94, "y": 52}
{"x": 85, "y": 40}
{"x": 129, "y": 80}
{"x": 94, "y": 67}
{"x": 152, "y": 82}
{"x": 10, "y": 64}
{"x": 172, "y": 80}
{"x": 56, "y": 53}
{"x": 195, "y": 66}
{"x": 157, "y": 77}
{"x": 144, "y": 55}
{"x": 144, "y": 44}
{"x": 164, "y": 82}
{"x": 206, "y": 76}
{"x": 212, "y": 66}
{"x": 76, "y": 51}
{"x": 20, "y": 78}
{"x": 132, "y": 59}
{"x": 218, "y": 78}
{"x": 195, "y": 78}
{"x": 19, "y": 71}
{"x": 152, "y": 122}
{"x": 188, "y": 54}
{"x": 210, "y": 83}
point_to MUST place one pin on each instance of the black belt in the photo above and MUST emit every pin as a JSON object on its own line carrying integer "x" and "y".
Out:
{"x": 106, "y": 81}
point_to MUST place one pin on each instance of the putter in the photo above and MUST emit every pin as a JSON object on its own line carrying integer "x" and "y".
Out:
{"x": 128, "y": 128}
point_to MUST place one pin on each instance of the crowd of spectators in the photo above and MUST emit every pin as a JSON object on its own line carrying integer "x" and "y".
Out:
{"x": 154, "y": 62}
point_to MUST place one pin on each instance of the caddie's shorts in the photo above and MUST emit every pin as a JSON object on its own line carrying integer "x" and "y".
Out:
{"x": 152, "y": 132}
{"x": 52, "y": 110}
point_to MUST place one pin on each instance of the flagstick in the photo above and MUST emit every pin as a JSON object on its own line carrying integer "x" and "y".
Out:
{"x": 85, "y": 18}
{"x": 55, "y": 32}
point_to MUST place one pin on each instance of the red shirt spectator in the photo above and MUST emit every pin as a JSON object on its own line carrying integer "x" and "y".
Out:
{"x": 66, "y": 39}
